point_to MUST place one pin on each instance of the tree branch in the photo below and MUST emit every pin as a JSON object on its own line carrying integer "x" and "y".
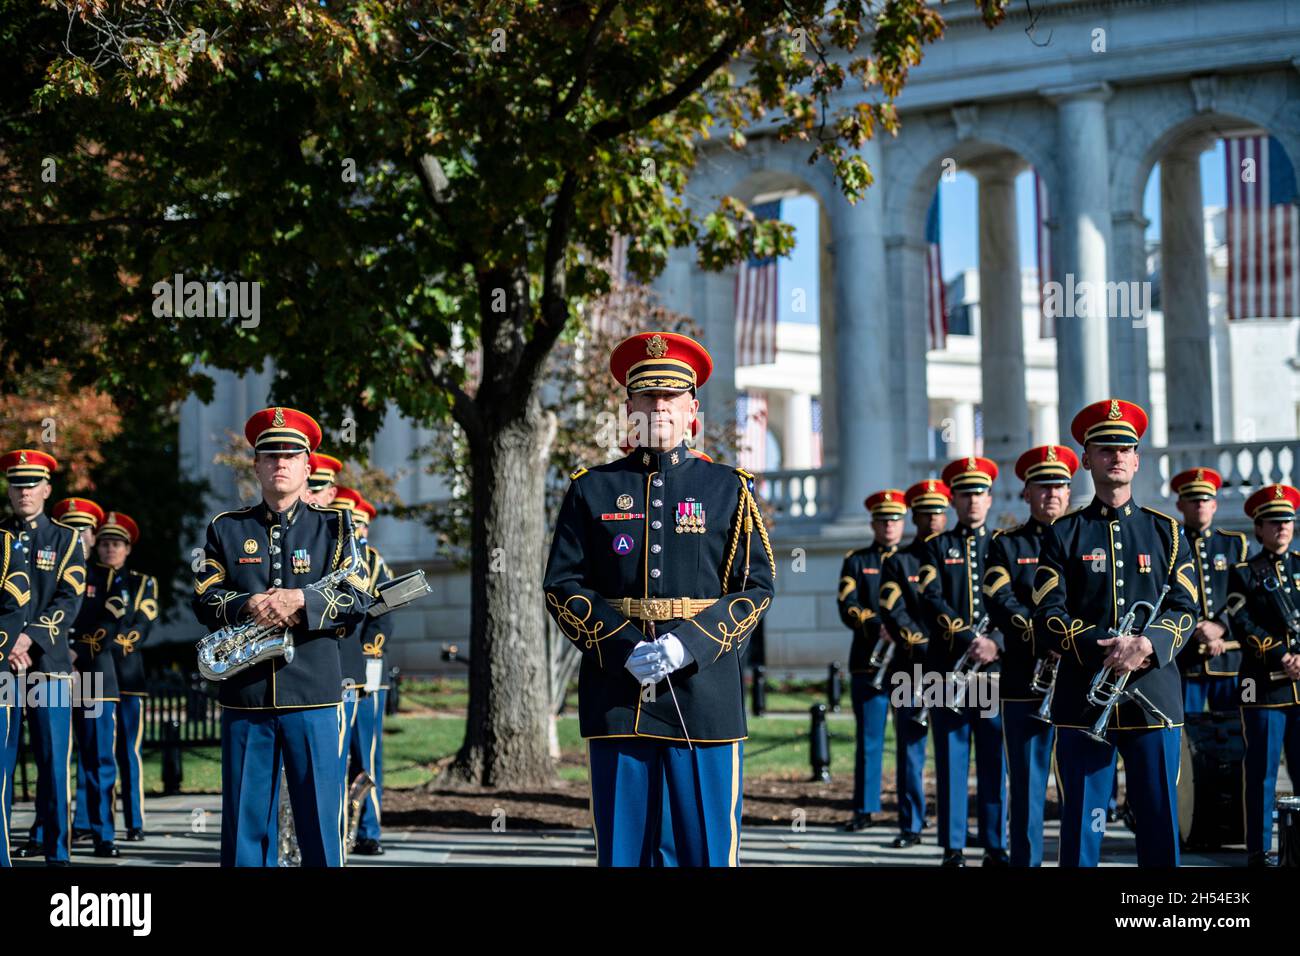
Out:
{"x": 554, "y": 306}
{"x": 583, "y": 70}
{"x": 463, "y": 409}
{"x": 92, "y": 225}
{"x": 437, "y": 189}
{"x": 608, "y": 129}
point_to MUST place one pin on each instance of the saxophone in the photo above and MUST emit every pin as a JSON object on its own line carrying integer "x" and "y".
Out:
{"x": 237, "y": 647}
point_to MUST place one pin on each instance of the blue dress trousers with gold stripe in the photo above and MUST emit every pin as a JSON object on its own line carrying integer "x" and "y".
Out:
{"x": 1212, "y": 681}
{"x": 132, "y": 690}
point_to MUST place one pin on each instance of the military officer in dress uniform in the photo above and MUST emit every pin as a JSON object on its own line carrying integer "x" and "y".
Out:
{"x": 265, "y": 563}
{"x": 1008, "y": 594}
{"x": 659, "y": 570}
{"x": 367, "y": 750}
{"x": 351, "y": 659}
{"x": 107, "y": 606}
{"x": 140, "y": 599}
{"x": 50, "y": 556}
{"x": 84, "y": 515}
{"x": 1209, "y": 663}
{"x": 322, "y": 481}
{"x": 1095, "y": 565}
{"x": 1265, "y": 591}
{"x": 14, "y": 596}
{"x": 859, "y": 604}
{"x": 950, "y": 583}
{"x": 902, "y": 615}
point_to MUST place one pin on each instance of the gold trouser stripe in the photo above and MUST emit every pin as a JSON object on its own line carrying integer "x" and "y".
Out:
{"x": 661, "y": 609}
{"x": 735, "y": 796}
{"x": 4, "y": 801}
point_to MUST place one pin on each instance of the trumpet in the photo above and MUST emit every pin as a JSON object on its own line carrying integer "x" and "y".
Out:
{"x": 1044, "y": 682}
{"x": 881, "y": 656}
{"x": 966, "y": 668}
{"x": 1107, "y": 689}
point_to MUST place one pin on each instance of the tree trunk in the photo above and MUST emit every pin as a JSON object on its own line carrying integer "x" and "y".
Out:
{"x": 506, "y": 735}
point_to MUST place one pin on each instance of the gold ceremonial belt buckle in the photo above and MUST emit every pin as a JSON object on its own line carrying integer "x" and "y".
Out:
{"x": 656, "y": 609}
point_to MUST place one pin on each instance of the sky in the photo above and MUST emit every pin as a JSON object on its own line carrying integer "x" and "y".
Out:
{"x": 959, "y": 243}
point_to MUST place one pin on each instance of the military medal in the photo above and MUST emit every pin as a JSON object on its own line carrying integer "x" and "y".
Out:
{"x": 301, "y": 559}
{"x": 624, "y": 503}
{"x": 690, "y": 516}
{"x": 45, "y": 559}
{"x": 1144, "y": 563}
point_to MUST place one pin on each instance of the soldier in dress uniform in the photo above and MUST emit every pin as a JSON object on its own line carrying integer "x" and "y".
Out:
{"x": 659, "y": 570}
{"x": 265, "y": 564}
{"x": 49, "y": 554}
{"x": 1264, "y": 593}
{"x": 107, "y": 606}
{"x": 84, "y": 515}
{"x": 14, "y": 596}
{"x": 139, "y": 595}
{"x": 351, "y": 659}
{"x": 367, "y": 749}
{"x": 950, "y": 583}
{"x": 322, "y": 481}
{"x": 1209, "y": 662}
{"x": 1008, "y": 594}
{"x": 859, "y": 604}
{"x": 904, "y": 619}
{"x": 1095, "y": 565}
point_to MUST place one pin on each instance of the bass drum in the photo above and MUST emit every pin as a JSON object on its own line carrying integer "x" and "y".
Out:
{"x": 1210, "y": 810}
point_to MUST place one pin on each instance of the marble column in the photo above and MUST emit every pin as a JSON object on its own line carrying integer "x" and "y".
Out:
{"x": 1130, "y": 368}
{"x": 865, "y": 404}
{"x": 1002, "y": 340}
{"x": 905, "y": 256}
{"x": 714, "y": 304}
{"x": 963, "y": 441}
{"x": 797, "y": 443}
{"x": 1082, "y": 196}
{"x": 1183, "y": 295}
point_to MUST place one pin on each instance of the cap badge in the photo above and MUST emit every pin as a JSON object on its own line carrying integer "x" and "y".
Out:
{"x": 1051, "y": 453}
{"x": 279, "y": 418}
{"x": 656, "y": 347}
{"x": 22, "y": 458}
{"x": 970, "y": 464}
{"x": 1200, "y": 474}
{"x": 1114, "y": 412}
{"x": 929, "y": 485}
{"x": 1277, "y": 491}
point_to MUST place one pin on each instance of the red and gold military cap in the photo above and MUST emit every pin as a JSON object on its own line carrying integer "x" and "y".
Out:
{"x": 1047, "y": 465}
{"x": 929, "y": 497}
{"x": 364, "y": 512}
{"x": 667, "y": 361}
{"x": 282, "y": 430}
{"x": 971, "y": 473}
{"x": 25, "y": 467}
{"x": 1196, "y": 483}
{"x": 324, "y": 471}
{"x": 78, "y": 512}
{"x": 347, "y": 499}
{"x": 118, "y": 525}
{"x": 890, "y": 503}
{"x": 1111, "y": 421}
{"x": 1276, "y": 502}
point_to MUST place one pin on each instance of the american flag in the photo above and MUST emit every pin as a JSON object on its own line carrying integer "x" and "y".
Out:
{"x": 816, "y": 432}
{"x": 751, "y": 423}
{"x": 1042, "y": 218}
{"x": 935, "y": 307}
{"x": 1263, "y": 222}
{"x": 756, "y": 302}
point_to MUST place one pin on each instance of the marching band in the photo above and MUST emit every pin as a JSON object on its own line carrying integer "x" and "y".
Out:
{"x": 1075, "y": 639}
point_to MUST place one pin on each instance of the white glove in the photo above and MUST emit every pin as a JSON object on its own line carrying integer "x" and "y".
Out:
{"x": 675, "y": 653}
{"x": 654, "y": 660}
{"x": 646, "y": 663}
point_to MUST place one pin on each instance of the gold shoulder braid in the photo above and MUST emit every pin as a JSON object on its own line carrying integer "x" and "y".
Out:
{"x": 747, "y": 515}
